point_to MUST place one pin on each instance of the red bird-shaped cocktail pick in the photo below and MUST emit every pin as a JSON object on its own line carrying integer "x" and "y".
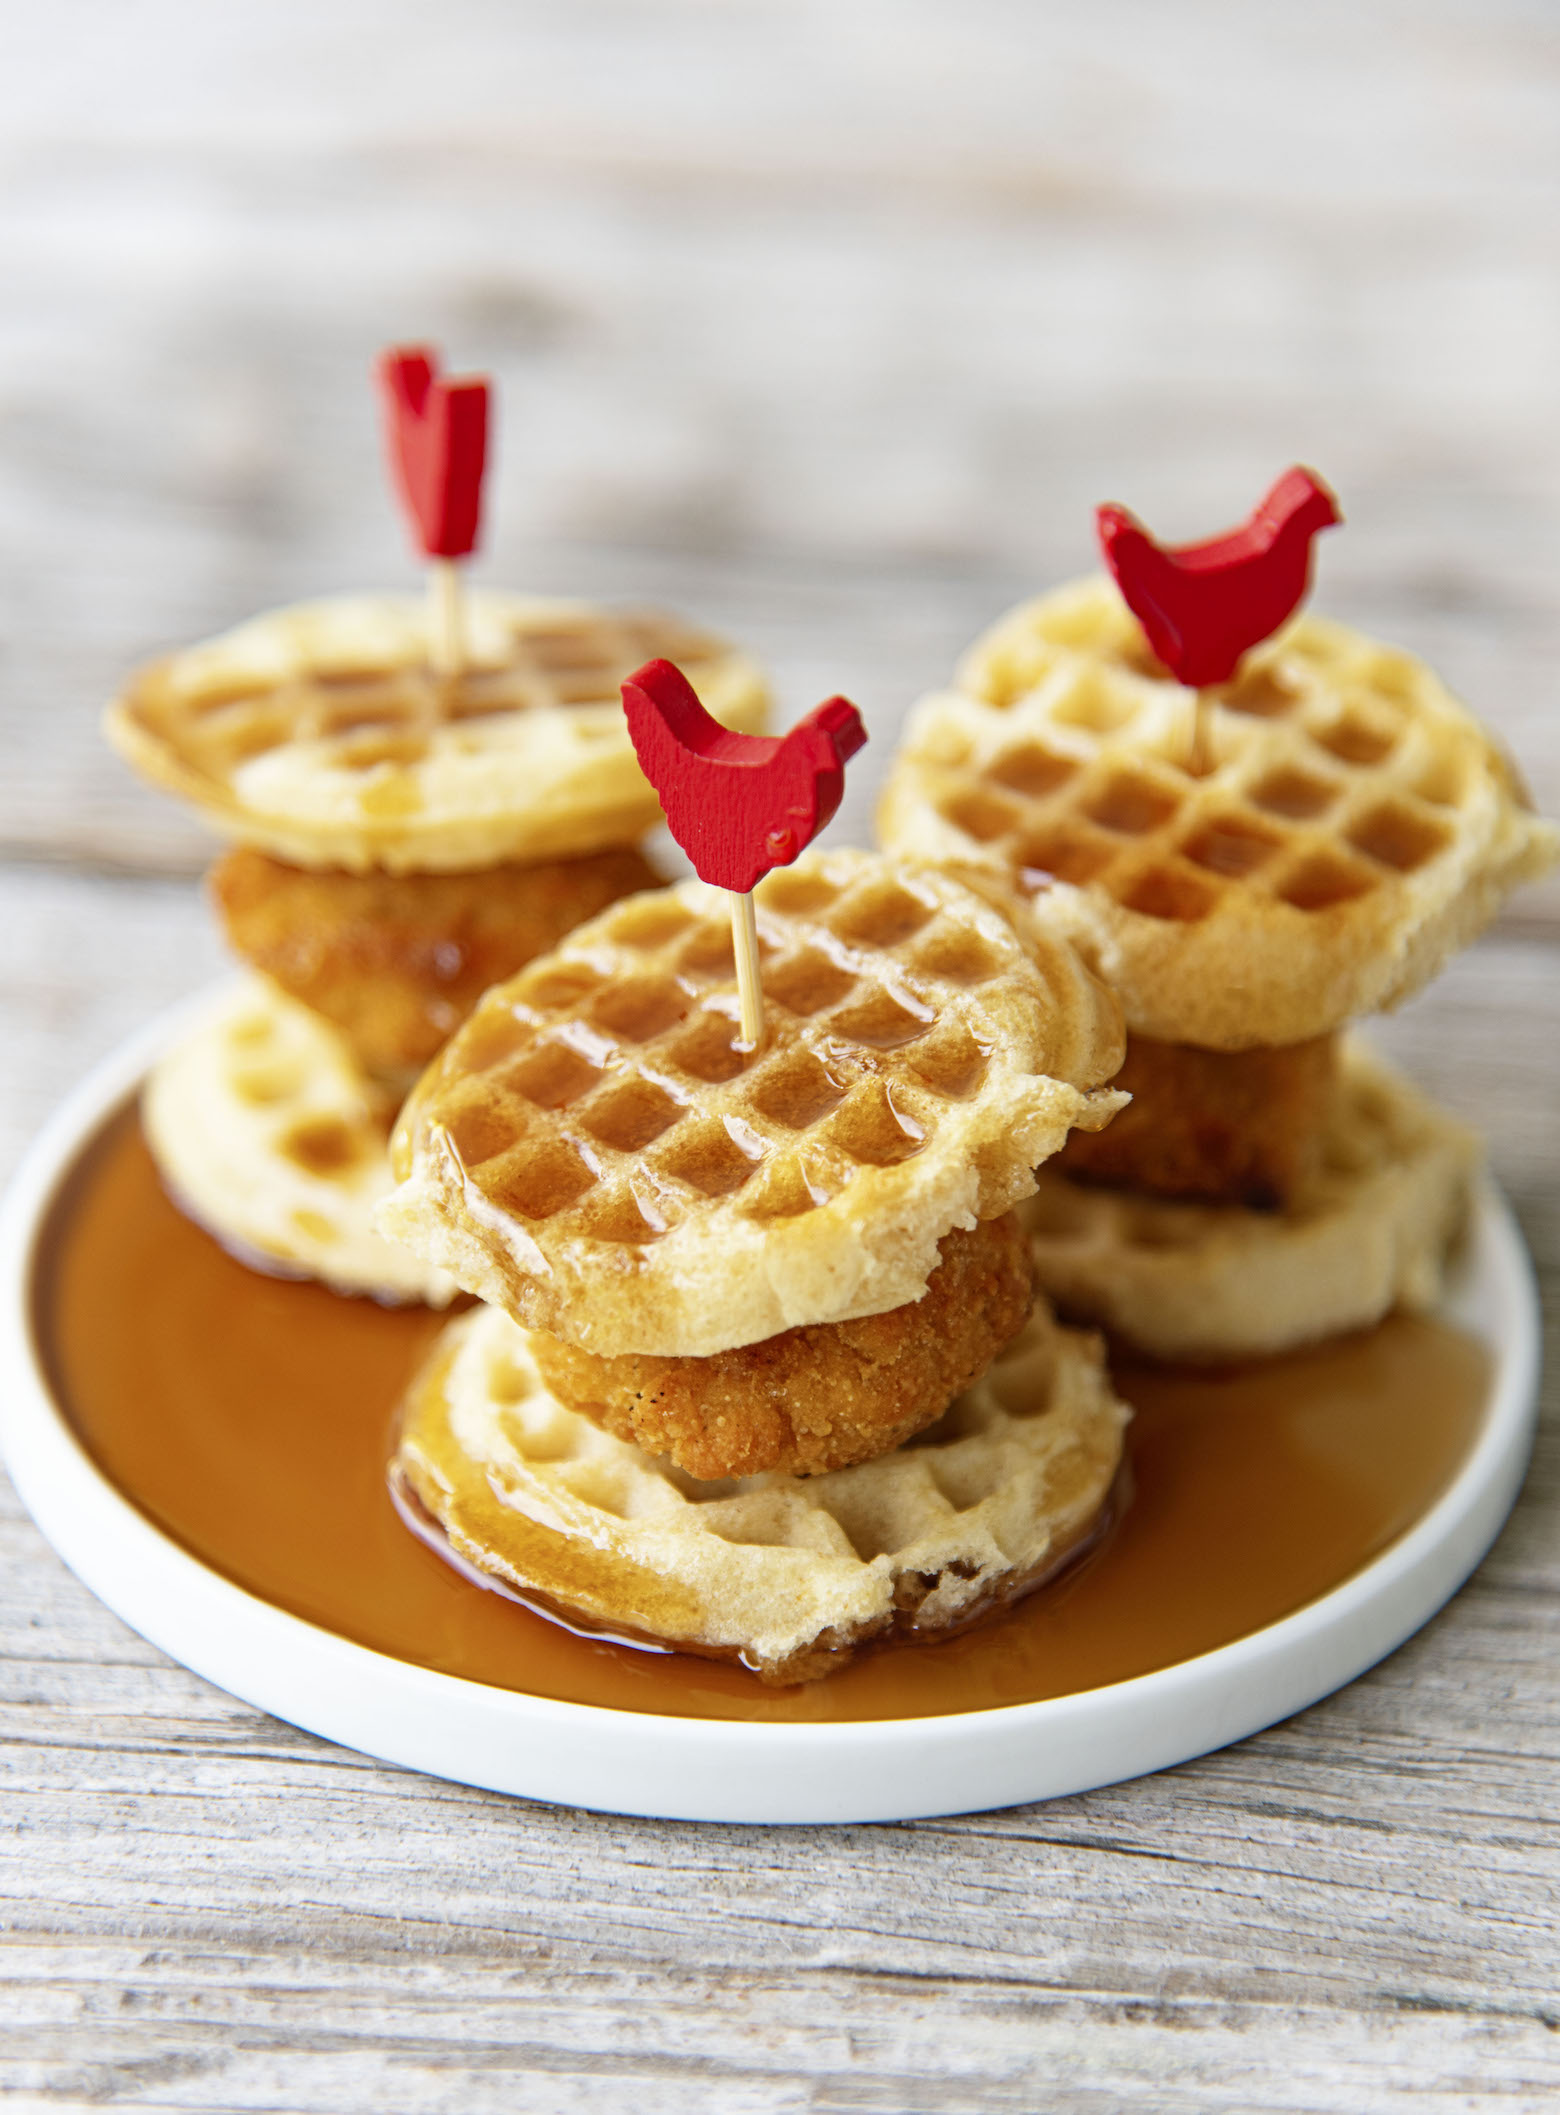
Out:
{"x": 436, "y": 430}
{"x": 1203, "y": 605}
{"x": 738, "y": 804}
{"x": 436, "y": 427}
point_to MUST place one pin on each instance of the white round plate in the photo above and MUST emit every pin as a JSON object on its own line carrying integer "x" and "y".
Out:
{"x": 714, "y": 1770}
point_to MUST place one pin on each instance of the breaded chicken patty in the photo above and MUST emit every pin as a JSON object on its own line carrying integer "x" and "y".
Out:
{"x": 397, "y": 961}
{"x": 816, "y": 1398}
{"x": 1221, "y": 1126}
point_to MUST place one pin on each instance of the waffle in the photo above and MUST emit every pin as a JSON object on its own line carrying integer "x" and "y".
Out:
{"x": 788, "y": 1575}
{"x": 320, "y": 733}
{"x": 269, "y": 1135}
{"x": 1342, "y": 826}
{"x": 1206, "y": 1283}
{"x": 596, "y": 1151}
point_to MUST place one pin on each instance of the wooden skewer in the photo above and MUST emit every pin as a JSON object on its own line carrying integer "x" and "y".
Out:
{"x": 446, "y": 617}
{"x": 1198, "y": 758}
{"x": 744, "y": 940}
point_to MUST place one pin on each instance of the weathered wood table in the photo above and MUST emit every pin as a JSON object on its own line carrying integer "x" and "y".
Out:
{"x": 829, "y": 324}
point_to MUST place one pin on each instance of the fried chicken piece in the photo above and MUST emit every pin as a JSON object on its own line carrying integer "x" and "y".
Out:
{"x": 816, "y": 1398}
{"x": 397, "y": 961}
{"x": 1223, "y": 1126}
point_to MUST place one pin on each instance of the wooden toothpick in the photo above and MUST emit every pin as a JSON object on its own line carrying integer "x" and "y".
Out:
{"x": 750, "y": 989}
{"x": 1198, "y": 758}
{"x": 446, "y": 617}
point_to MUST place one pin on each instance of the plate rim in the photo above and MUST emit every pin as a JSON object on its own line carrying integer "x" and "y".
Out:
{"x": 683, "y": 1768}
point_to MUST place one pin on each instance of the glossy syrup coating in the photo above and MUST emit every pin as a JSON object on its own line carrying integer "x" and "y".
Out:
{"x": 599, "y": 1152}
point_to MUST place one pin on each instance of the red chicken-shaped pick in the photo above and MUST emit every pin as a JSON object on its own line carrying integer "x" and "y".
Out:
{"x": 436, "y": 431}
{"x": 738, "y": 804}
{"x": 1203, "y": 605}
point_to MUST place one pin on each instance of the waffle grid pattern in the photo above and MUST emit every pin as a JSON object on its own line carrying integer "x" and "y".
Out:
{"x": 602, "y": 1104}
{"x": 329, "y": 716}
{"x": 1334, "y": 777}
{"x": 772, "y": 1569}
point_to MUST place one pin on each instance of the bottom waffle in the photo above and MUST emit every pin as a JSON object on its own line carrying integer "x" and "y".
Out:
{"x": 1370, "y": 1231}
{"x": 268, "y": 1133}
{"x": 788, "y": 1575}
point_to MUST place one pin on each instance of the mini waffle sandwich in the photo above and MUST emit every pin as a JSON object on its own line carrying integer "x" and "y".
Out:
{"x": 787, "y": 1574}
{"x": 734, "y": 1387}
{"x": 400, "y": 839}
{"x": 1250, "y": 865}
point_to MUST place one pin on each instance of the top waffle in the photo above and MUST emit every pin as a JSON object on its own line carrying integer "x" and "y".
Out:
{"x": 1346, "y": 826}
{"x": 321, "y": 733}
{"x": 598, "y": 1153}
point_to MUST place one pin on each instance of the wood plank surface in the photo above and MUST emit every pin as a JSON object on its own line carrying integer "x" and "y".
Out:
{"x": 827, "y": 321}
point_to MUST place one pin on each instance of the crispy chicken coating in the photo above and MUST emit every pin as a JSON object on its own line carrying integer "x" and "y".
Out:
{"x": 1224, "y": 1126}
{"x": 816, "y": 1398}
{"x": 397, "y": 961}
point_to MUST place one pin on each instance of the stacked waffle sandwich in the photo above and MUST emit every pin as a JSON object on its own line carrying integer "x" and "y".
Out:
{"x": 757, "y": 1374}
{"x": 1251, "y": 865}
{"x": 400, "y": 838}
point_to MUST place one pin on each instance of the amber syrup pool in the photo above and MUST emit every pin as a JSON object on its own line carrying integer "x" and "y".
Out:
{"x": 248, "y": 1417}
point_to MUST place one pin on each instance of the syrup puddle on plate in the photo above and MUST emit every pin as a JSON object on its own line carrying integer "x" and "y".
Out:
{"x": 247, "y": 1417}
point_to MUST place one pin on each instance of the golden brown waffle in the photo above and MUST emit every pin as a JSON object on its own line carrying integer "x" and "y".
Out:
{"x": 1370, "y": 1231}
{"x": 268, "y": 1133}
{"x": 1345, "y": 826}
{"x": 321, "y": 733}
{"x": 787, "y": 1574}
{"x": 598, "y": 1153}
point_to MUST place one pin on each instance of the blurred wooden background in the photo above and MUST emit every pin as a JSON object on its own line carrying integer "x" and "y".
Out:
{"x": 828, "y": 321}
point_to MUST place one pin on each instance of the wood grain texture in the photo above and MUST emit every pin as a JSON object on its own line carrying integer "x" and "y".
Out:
{"x": 829, "y": 321}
